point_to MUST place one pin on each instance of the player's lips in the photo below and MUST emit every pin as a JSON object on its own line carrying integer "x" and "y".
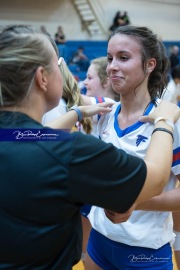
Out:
{"x": 116, "y": 78}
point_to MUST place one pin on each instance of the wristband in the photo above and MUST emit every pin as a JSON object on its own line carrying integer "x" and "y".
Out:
{"x": 78, "y": 111}
{"x": 165, "y": 130}
{"x": 169, "y": 122}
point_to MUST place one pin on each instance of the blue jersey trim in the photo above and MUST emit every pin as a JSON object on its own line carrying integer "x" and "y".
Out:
{"x": 176, "y": 157}
{"x": 121, "y": 132}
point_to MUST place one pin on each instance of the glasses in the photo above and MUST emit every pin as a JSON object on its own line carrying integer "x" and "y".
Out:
{"x": 60, "y": 61}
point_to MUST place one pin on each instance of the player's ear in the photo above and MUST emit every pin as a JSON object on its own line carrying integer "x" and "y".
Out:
{"x": 150, "y": 66}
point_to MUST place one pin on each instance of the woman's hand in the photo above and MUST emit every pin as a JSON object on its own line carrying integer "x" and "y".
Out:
{"x": 166, "y": 110}
{"x": 115, "y": 217}
{"x": 100, "y": 108}
{"x": 69, "y": 119}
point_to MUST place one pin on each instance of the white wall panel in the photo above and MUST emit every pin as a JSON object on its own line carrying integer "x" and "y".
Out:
{"x": 162, "y": 16}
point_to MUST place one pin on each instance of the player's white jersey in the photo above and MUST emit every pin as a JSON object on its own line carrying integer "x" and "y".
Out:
{"x": 55, "y": 113}
{"x": 95, "y": 118}
{"x": 144, "y": 228}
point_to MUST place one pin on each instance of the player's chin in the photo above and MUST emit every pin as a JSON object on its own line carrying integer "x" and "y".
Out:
{"x": 89, "y": 93}
{"x": 116, "y": 88}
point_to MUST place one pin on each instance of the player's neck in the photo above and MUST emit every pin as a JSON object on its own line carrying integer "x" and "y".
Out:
{"x": 136, "y": 103}
{"x": 132, "y": 110}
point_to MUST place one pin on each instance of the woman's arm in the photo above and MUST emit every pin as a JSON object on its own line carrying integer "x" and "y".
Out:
{"x": 68, "y": 120}
{"x": 167, "y": 201}
{"x": 158, "y": 165}
{"x": 156, "y": 169}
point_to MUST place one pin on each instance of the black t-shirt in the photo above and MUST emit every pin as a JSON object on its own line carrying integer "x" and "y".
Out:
{"x": 42, "y": 187}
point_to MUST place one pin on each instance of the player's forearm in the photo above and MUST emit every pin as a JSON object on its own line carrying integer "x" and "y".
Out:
{"x": 167, "y": 201}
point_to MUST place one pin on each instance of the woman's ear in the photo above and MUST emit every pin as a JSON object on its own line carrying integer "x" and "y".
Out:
{"x": 42, "y": 78}
{"x": 151, "y": 64}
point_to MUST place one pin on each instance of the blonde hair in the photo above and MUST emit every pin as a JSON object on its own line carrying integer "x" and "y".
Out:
{"x": 22, "y": 51}
{"x": 72, "y": 95}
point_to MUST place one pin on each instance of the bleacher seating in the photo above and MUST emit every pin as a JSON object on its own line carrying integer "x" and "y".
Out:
{"x": 169, "y": 44}
{"x": 94, "y": 49}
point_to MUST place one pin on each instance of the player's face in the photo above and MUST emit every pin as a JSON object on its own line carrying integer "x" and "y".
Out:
{"x": 93, "y": 83}
{"x": 125, "y": 64}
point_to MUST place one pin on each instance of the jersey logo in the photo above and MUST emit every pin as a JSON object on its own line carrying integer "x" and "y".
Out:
{"x": 140, "y": 138}
{"x": 106, "y": 132}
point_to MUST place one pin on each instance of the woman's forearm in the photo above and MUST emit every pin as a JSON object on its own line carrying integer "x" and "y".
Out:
{"x": 159, "y": 154}
{"x": 167, "y": 201}
{"x": 66, "y": 121}
{"x": 69, "y": 119}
